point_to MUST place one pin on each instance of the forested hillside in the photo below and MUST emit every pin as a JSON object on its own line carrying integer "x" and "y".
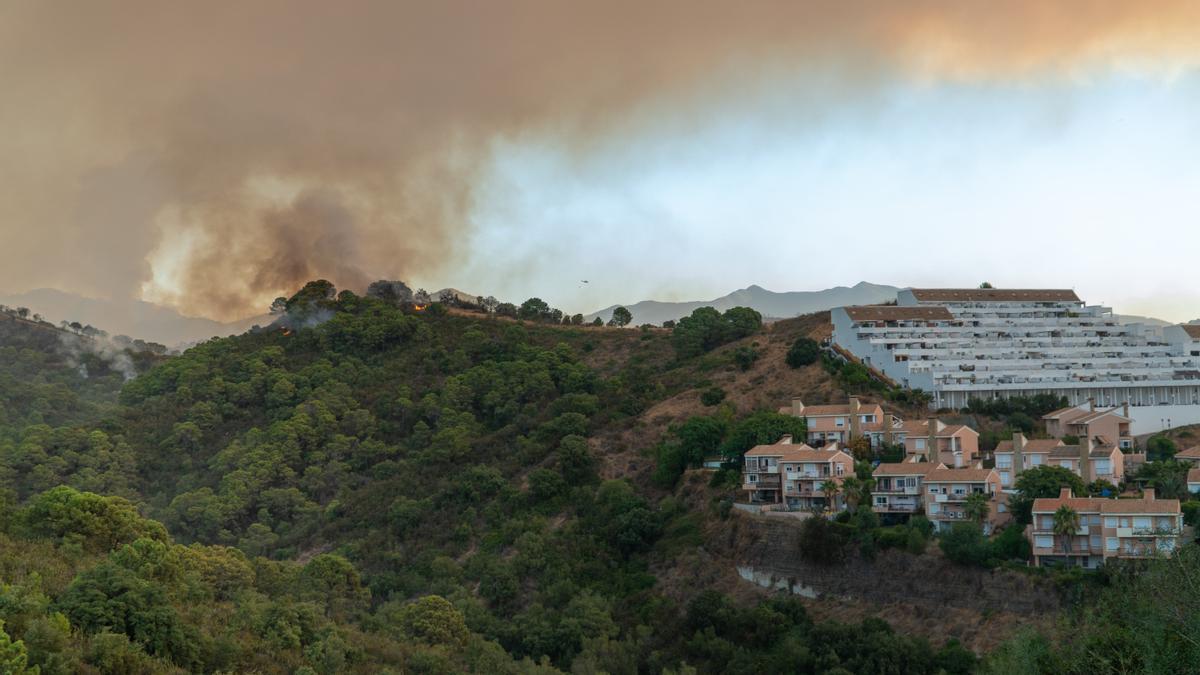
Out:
{"x": 366, "y": 487}
{"x": 369, "y": 486}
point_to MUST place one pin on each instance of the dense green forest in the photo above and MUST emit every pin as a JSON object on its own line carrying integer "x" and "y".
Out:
{"x": 364, "y": 487}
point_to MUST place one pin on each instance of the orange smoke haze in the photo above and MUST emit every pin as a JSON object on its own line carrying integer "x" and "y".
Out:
{"x": 214, "y": 155}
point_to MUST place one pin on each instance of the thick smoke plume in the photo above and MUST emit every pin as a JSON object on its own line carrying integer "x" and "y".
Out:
{"x": 216, "y": 155}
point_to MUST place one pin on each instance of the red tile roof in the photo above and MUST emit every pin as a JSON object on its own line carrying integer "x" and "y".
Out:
{"x": 994, "y": 295}
{"x": 893, "y": 313}
{"x": 1191, "y": 453}
{"x": 960, "y": 476}
{"x": 1192, "y": 330}
{"x": 1034, "y": 446}
{"x": 907, "y": 468}
{"x": 1112, "y": 506}
{"x": 789, "y": 452}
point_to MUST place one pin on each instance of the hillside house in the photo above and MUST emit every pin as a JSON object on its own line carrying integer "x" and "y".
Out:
{"x": 1108, "y": 528}
{"x": 796, "y": 475}
{"x": 837, "y": 423}
{"x": 954, "y": 445}
{"x": 1098, "y": 462}
{"x": 946, "y": 492}
{"x": 1193, "y": 481}
{"x": 900, "y": 487}
{"x": 1110, "y": 427}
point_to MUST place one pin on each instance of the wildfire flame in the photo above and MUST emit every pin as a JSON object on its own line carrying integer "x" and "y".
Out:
{"x": 419, "y": 308}
{"x": 287, "y": 331}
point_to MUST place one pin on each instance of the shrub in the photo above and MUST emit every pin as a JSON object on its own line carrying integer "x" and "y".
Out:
{"x": 745, "y": 357}
{"x": 822, "y": 541}
{"x": 803, "y": 352}
{"x": 712, "y": 396}
{"x": 964, "y": 544}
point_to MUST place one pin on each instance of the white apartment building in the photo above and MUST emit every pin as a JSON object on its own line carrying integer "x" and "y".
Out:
{"x": 959, "y": 344}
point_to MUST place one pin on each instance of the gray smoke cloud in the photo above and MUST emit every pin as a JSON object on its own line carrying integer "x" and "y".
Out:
{"x": 214, "y": 155}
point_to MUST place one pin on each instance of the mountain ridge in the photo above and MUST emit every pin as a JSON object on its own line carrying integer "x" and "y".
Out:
{"x": 135, "y": 318}
{"x": 771, "y": 304}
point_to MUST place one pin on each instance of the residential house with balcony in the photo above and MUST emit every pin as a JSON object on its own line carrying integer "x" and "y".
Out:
{"x": 900, "y": 488}
{"x": 946, "y": 492}
{"x": 1110, "y": 426}
{"x": 1108, "y": 529}
{"x": 955, "y": 445}
{"x": 837, "y": 423}
{"x": 1014, "y": 456}
{"x": 1099, "y": 462}
{"x": 795, "y": 475}
{"x": 1193, "y": 481}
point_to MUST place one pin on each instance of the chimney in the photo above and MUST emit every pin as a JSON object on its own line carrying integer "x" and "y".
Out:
{"x": 1064, "y": 493}
{"x": 888, "y": 435}
{"x": 1125, "y": 407}
{"x": 1092, "y": 404}
{"x": 797, "y": 407}
{"x": 931, "y": 444}
{"x": 1018, "y": 443}
{"x": 1085, "y": 457}
{"x": 855, "y": 418}
{"x": 1148, "y": 494}
{"x": 786, "y": 440}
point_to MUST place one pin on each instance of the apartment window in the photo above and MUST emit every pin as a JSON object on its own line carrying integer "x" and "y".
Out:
{"x": 1035, "y": 460}
{"x": 881, "y": 501}
{"x": 1004, "y": 478}
{"x": 920, "y": 443}
{"x": 933, "y": 489}
{"x": 752, "y": 478}
{"x": 934, "y": 508}
{"x": 1047, "y": 522}
{"x": 840, "y": 421}
{"x": 1110, "y": 521}
{"x": 1044, "y": 541}
{"x": 960, "y": 491}
{"x": 868, "y": 419}
{"x": 1142, "y": 523}
{"x": 1112, "y": 543}
{"x": 1095, "y": 543}
{"x": 1124, "y": 521}
{"x": 1093, "y": 519}
{"x": 840, "y": 469}
{"x": 1003, "y": 461}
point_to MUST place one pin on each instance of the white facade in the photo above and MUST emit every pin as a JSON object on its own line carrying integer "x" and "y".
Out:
{"x": 998, "y": 343}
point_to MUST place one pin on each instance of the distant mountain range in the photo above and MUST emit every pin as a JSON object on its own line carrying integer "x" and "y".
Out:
{"x": 134, "y": 318}
{"x": 770, "y": 304}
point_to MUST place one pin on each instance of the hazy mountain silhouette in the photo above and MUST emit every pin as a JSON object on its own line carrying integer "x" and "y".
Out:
{"x": 769, "y": 303}
{"x": 134, "y": 318}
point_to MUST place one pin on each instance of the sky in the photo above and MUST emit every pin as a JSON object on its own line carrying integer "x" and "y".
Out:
{"x": 214, "y": 156}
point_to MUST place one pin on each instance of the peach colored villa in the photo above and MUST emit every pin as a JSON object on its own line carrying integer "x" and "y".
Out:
{"x": 946, "y": 492}
{"x": 900, "y": 487}
{"x": 904, "y": 488}
{"x": 954, "y": 445}
{"x": 1107, "y": 529}
{"x": 795, "y": 475}
{"x": 1108, "y": 427}
{"x": 1097, "y": 462}
{"x": 837, "y": 423}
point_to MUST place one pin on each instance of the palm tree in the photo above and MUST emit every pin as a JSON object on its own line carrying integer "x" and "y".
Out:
{"x": 831, "y": 489}
{"x": 1066, "y": 523}
{"x": 977, "y": 507}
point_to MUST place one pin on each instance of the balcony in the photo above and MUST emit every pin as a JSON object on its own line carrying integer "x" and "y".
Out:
{"x": 1156, "y": 532}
